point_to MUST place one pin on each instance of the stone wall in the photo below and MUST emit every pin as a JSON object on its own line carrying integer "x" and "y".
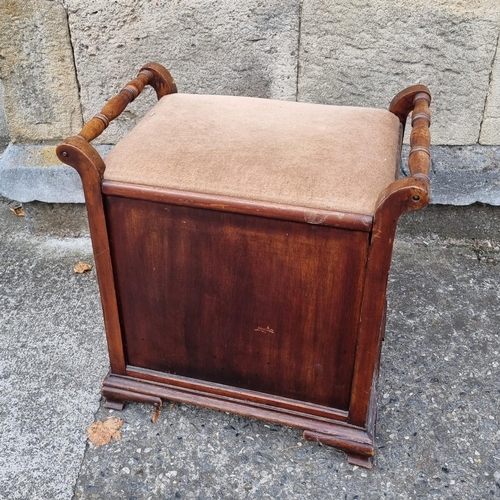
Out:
{"x": 4, "y": 129}
{"x": 36, "y": 66}
{"x": 362, "y": 52}
{"x": 490, "y": 130}
{"x": 243, "y": 47}
{"x": 61, "y": 60}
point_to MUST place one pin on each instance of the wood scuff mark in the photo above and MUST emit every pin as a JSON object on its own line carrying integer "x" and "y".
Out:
{"x": 264, "y": 330}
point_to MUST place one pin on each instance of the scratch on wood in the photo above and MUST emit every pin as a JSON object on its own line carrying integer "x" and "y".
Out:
{"x": 264, "y": 330}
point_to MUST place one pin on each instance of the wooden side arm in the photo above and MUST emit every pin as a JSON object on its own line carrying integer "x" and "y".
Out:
{"x": 413, "y": 192}
{"x": 416, "y": 99}
{"x": 151, "y": 74}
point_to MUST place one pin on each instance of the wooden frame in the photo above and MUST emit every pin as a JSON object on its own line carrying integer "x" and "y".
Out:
{"x": 350, "y": 429}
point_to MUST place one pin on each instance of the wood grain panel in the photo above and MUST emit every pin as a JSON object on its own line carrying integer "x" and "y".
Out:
{"x": 250, "y": 302}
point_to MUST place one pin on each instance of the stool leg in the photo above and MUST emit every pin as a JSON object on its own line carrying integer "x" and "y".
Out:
{"x": 360, "y": 460}
{"x": 358, "y": 447}
{"x": 113, "y": 404}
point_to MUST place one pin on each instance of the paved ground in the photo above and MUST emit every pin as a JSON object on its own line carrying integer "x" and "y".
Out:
{"x": 438, "y": 433}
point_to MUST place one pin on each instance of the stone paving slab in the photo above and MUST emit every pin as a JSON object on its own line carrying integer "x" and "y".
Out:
{"x": 52, "y": 360}
{"x": 438, "y": 429}
{"x": 439, "y": 397}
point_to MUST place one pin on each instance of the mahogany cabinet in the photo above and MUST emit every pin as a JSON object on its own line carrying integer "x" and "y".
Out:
{"x": 242, "y": 248}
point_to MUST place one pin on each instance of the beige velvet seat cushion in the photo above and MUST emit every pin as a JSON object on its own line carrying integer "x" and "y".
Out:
{"x": 307, "y": 155}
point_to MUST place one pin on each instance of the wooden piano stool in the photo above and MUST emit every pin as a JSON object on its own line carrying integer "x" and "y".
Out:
{"x": 242, "y": 248}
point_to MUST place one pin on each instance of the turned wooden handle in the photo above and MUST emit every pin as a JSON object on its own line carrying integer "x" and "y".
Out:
{"x": 151, "y": 74}
{"x": 417, "y": 100}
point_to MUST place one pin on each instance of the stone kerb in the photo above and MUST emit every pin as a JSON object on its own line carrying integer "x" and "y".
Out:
{"x": 348, "y": 52}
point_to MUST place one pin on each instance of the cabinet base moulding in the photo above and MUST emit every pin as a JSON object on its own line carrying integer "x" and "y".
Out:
{"x": 356, "y": 442}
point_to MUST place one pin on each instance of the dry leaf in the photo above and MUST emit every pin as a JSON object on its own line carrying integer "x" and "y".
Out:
{"x": 82, "y": 267}
{"x": 19, "y": 211}
{"x": 101, "y": 432}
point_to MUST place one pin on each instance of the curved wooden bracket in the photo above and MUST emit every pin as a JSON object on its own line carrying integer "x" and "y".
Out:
{"x": 161, "y": 80}
{"x": 410, "y": 193}
{"x": 78, "y": 153}
{"x": 404, "y": 102}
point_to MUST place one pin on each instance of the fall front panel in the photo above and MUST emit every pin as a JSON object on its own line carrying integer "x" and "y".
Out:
{"x": 245, "y": 301}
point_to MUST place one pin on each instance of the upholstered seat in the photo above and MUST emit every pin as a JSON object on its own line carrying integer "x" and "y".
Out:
{"x": 307, "y": 155}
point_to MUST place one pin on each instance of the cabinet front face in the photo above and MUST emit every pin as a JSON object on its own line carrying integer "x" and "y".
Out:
{"x": 249, "y": 302}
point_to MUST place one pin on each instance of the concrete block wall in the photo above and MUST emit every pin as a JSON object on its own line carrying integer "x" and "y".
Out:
{"x": 490, "y": 130}
{"x": 4, "y": 129}
{"x": 238, "y": 47}
{"x": 362, "y": 52}
{"x": 40, "y": 98}
{"x": 61, "y": 60}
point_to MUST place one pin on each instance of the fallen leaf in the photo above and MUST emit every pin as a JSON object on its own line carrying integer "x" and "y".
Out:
{"x": 19, "y": 211}
{"x": 82, "y": 267}
{"x": 101, "y": 432}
